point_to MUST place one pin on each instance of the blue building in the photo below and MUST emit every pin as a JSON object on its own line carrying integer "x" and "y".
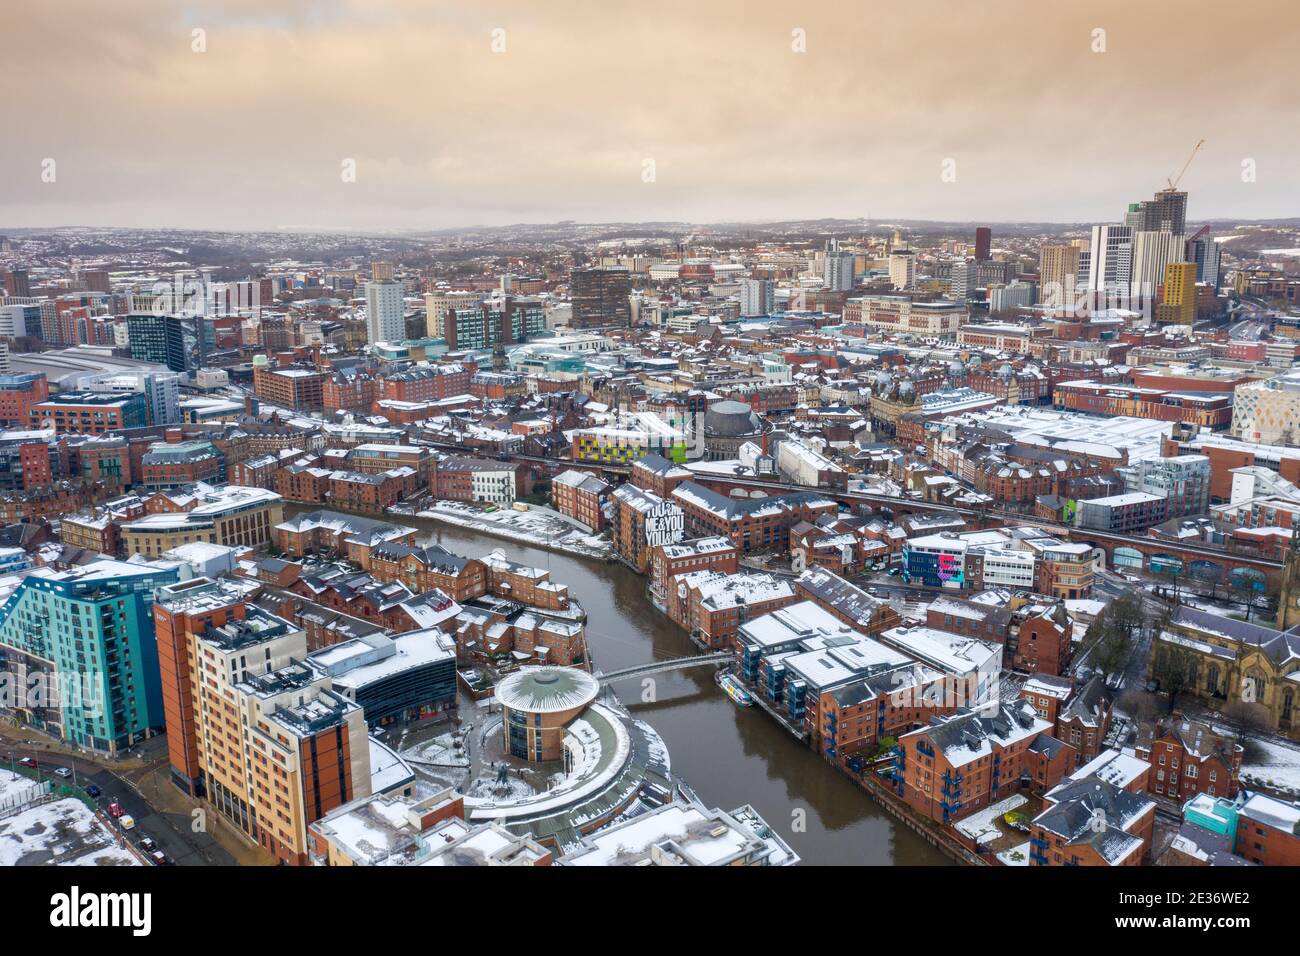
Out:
{"x": 78, "y": 655}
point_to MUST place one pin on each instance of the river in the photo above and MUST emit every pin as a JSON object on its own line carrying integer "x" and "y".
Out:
{"x": 727, "y": 754}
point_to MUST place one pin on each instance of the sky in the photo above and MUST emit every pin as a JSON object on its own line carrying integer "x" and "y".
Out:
{"x": 424, "y": 114}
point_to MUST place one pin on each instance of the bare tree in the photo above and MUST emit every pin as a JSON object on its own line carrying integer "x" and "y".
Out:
{"x": 1248, "y": 718}
{"x": 1175, "y": 669}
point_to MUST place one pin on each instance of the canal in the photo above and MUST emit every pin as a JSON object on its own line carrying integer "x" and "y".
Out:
{"x": 727, "y": 754}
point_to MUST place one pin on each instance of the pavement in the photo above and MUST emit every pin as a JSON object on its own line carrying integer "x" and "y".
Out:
{"x": 140, "y": 784}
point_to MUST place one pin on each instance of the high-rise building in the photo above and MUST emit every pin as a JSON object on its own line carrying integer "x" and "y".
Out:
{"x": 381, "y": 271}
{"x": 837, "y": 271}
{"x": 17, "y": 321}
{"x": 18, "y": 283}
{"x": 494, "y": 324}
{"x": 1179, "y": 303}
{"x": 1207, "y": 254}
{"x": 902, "y": 269}
{"x": 963, "y": 280}
{"x": 1152, "y": 252}
{"x": 438, "y": 304}
{"x": 385, "y": 320}
{"x": 1058, "y": 273}
{"x": 1110, "y": 260}
{"x": 983, "y": 243}
{"x": 179, "y": 342}
{"x": 757, "y": 297}
{"x": 601, "y": 296}
{"x": 253, "y": 725}
{"x": 79, "y": 648}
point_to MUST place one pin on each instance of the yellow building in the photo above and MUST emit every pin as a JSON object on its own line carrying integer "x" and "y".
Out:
{"x": 1179, "y": 305}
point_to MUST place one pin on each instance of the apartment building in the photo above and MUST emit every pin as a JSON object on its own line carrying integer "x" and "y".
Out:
{"x": 253, "y": 727}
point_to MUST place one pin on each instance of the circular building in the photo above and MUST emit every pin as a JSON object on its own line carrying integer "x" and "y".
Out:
{"x": 727, "y": 426}
{"x": 537, "y": 704}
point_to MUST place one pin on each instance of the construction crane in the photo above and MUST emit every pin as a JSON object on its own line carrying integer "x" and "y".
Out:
{"x": 1173, "y": 183}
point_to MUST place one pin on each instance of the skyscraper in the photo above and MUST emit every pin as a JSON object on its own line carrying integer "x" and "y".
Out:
{"x": 757, "y": 296}
{"x": 1152, "y": 252}
{"x": 1058, "y": 273}
{"x": 384, "y": 312}
{"x": 1110, "y": 260}
{"x": 837, "y": 273}
{"x": 983, "y": 243}
{"x": 1179, "y": 303}
{"x": 1207, "y": 254}
{"x": 600, "y": 296}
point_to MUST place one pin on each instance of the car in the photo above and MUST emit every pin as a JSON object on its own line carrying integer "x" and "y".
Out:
{"x": 126, "y": 822}
{"x": 159, "y": 858}
{"x": 115, "y": 809}
{"x": 62, "y": 772}
{"x": 28, "y": 762}
{"x": 93, "y": 791}
{"x": 147, "y": 844}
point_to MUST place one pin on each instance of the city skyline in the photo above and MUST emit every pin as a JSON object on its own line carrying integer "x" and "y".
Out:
{"x": 397, "y": 116}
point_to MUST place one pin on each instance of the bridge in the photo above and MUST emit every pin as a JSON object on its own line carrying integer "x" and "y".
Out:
{"x": 1133, "y": 550}
{"x": 660, "y": 667}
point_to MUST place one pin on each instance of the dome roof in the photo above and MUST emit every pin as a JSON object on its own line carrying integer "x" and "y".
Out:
{"x": 545, "y": 690}
{"x": 728, "y": 419}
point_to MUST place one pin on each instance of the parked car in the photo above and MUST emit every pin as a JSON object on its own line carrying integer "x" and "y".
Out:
{"x": 115, "y": 809}
{"x": 93, "y": 791}
{"x": 147, "y": 844}
{"x": 28, "y": 762}
{"x": 62, "y": 772}
{"x": 159, "y": 858}
{"x": 126, "y": 822}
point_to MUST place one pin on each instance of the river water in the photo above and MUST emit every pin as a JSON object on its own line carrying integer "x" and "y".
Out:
{"x": 727, "y": 754}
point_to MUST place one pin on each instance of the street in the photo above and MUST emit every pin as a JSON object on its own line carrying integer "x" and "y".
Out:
{"x": 171, "y": 831}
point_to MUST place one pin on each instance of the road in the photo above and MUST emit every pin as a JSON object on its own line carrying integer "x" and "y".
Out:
{"x": 171, "y": 831}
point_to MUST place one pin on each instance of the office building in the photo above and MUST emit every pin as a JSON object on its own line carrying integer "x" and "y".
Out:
{"x": 385, "y": 315}
{"x": 757, "y": 297}
{"x": 902, "y": 269}
{"x": 600, "y": 297}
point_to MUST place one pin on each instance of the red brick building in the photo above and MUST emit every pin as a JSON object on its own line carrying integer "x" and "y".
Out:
{"x": 965, "y": 761}
{"x": 1188, "y": 758}
{"x": 578, "y": 495}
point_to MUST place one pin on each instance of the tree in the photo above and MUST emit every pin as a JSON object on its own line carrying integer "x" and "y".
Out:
{"x": 1248, "y": 718}
{"x": 1138, "y": 704}
{"x": 1175, "y": 669}
{"x": 1113, "y": 634}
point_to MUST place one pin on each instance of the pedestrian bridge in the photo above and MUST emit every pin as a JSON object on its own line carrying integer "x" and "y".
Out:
{"x": 660, "y": 667}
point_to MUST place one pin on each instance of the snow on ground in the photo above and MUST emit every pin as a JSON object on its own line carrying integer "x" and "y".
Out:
{"x": 440, "y": 750}
{"x": 539, "y": 527}
{"x": 1272, "y": 765}
{"x": 982, "y": 827}
{"x": 63, "y": 832}
{"x": 15, "y": 788}
{"x": 1016, "y": 855}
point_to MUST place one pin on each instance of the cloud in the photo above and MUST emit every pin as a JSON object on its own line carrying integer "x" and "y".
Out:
{"x": 446, "y": 132}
